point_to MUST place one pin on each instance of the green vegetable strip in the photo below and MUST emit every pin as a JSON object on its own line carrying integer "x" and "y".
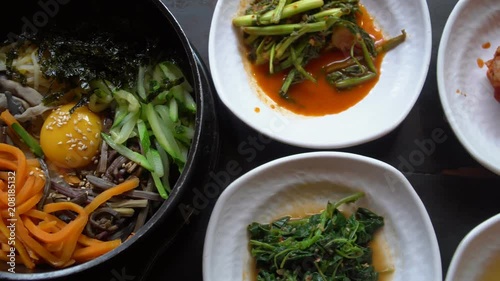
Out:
{"x": 127, "y": 98}
{"x": 101, "y": 96}
{"x": 127, "y": 152}
{"x": 288, "y": 11}
{"x": 120, "y": 114}
{"x": 173, "y": 110}
{"x": 391, "y": 43}
{"x": 339, "y": 65}
{"x": 175, "y": 131}
{"x": 163, "y": 135}
{"x": 143, "y": 136}
{"x": 366, "y": 54}
{"x": 159, "y": 186}
{"x": 288, "y": 82}
{"x": 349, "y": 199}
{"x": 331, "y": 13}
{"x": 278, "y": 11}
{"x": 154, "y": 158}
{"x": 28, "y": 140}
{"x": 166, "y": 166}
{"x": 283, "y": 46}
{"x": 288, "y": 62}
{"x": 271, "y": 59}
{"x": 351, "y": 82}
{"x": 127, "y": 127}
{"x": 173, "y": 72}
{"x": 140, "y": 83}
{"x": 285, "y": 29}
{"x": 297, "y": 62}
{"x": 189, "y": 102}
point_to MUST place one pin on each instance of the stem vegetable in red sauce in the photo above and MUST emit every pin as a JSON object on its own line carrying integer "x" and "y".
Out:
{"x": 313, "y": 57}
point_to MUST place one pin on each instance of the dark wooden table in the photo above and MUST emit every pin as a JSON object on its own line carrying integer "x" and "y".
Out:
{"x": 457, "y": 192}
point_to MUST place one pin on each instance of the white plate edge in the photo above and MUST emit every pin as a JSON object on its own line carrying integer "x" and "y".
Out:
{"x": 230, "y": 189}
{"x": 442, "y": 88}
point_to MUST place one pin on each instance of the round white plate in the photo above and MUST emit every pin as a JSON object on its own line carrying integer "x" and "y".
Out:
{"x": 464, "y": 89}
{"x": 403, "y": 74}
{"x": 475, "y": 251}
{"x": 305, "y": 183}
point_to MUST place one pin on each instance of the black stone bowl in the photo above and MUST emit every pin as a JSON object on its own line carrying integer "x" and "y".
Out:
{"x": 134, "y": 18}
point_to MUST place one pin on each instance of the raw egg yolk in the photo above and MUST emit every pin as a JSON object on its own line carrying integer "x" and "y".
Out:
{"x": 71, "y": 140}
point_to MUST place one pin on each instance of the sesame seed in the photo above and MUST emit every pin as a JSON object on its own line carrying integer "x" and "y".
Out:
{"x": 60, "y": 142}
{"x": 32, "y": 173}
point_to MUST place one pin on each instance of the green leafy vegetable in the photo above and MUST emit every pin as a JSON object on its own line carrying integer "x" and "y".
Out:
{"x": 327, "y": 246}
{"x": 161, "y": 113}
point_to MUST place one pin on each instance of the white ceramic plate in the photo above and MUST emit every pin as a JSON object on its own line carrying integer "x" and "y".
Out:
{"x": 403, "y": 74}
{"x": 305, "y": 183}
{"x": 465, "y": 92}
{"x": 475, "y": 251}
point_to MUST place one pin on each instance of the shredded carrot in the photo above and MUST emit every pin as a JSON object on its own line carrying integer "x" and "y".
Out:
{"x": 8, "y": 118}
{"x": 83, "y": 239}
{"x": 25, "y": 190}
{"x": 49, "y": 226}
{"x": 3, "y": 239}
{"x": 4, "y": 176}
{"x": 107, "y": 194}
{"x": 3, "y": 256}
{"x": 62, "y": 234}
{"x": 54, "y": 247}
{"x": 94, "y": 251}
{"x": 72, "y": 180}
{"x": 40, "y": 236}
{"x": 23, "y": 233}
{"x": 24, "y": 207}
{"x": 21, "y": 250}
{"x": 33, "y": 162}
{"x": 21, "y": 169}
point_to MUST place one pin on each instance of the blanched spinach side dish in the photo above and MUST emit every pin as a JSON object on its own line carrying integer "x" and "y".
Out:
{"x": 323, "y": 247}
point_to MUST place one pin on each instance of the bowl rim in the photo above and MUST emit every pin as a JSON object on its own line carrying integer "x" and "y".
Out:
{"x": 182, "y": 183}
{"x": 447, "y": 32}
{"x": 334, "y": 144}
{"x": 466, "y": 242}
{"x": 237, "y": 184}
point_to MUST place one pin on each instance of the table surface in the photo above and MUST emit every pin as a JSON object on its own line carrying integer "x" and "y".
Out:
{"x": 457, "y": 192}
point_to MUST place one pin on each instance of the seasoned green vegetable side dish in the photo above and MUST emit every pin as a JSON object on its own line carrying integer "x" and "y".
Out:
{"x": 323, "y": 247}
{"x": 287, "y": 34}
